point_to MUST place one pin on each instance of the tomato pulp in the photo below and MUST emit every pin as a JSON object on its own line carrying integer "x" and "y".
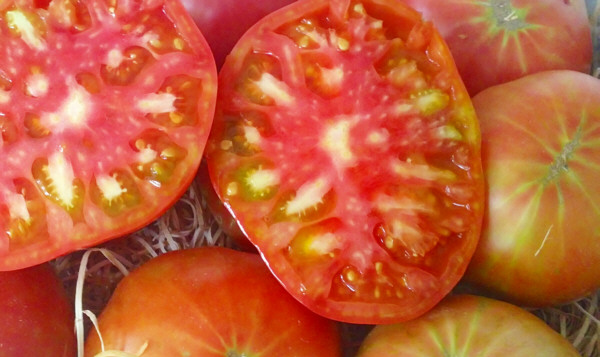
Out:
{"x": 347, "y": 148}
{"x": 105, "y": 108}
{"x": 219, "y": 212}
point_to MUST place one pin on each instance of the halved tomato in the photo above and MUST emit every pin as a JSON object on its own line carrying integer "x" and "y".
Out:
{"x": 347, "y": 148}
{"x": 105, "y": 108}
{"x": 209, "y": 301}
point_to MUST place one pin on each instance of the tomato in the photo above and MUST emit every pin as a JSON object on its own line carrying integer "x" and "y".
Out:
{"x": 210, "y": 301}
{"x": 468, "y": 325}
{"x": 105, "y": 108}
{"x": 37, "y": 318}
{"x": 540, "y": 242}
{"x": 495, "y": 41}
{"x": 223, "y": 22}
{"x": 347, "y": 148}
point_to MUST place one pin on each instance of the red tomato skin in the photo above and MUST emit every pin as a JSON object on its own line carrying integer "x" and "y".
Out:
{"x": 223, "y": 22}
{"x": 468, "y": 325}
{"x": 210, "y": 301}
{"x": 540, "y": 243}
{"x": 530, "y": 36}
{"x": 316, "y": 279}
{"x": 37, "y": 316}
{"x": 120, "y": 130}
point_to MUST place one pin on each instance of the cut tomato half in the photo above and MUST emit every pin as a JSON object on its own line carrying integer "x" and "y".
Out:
{"x": 105, "y": 108}
{"x": 347, "y": 148}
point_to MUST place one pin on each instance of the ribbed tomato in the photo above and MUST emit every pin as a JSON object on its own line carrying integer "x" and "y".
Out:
{"x": 347, "y": 148}
{"x": 468, "y": 325}
{"x": 208, "y": 302}
{"x": 540, "y": 242}
{"x": 496, "y": 41}
{"x": 105, "y": 108}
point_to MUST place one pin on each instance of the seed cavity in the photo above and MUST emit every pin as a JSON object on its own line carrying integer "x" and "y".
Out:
{"x": 431, "y": 101}
{"x": 308, "y": 195}
{"x": 410, "y": 170}
{"x": 275, "y": 89}
{"x": 158, "y": 103}
{"x": 60, "y": 172}
{"x": 110, "y": 186}
{"x": 448, "y": 132}
{"x": 22, "y": 24}
{"x": 262, "y": 180}
{"x": 232, "y": 189}
{"x": 17, "y": 206}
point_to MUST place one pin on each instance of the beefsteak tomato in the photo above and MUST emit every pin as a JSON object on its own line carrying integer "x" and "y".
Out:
{"x": 223, "y": 22}
{"x": 105, "y": 108}
{"x": 468, "y": 325}
{"x": 495, "y": 41}
{"x": 347, "y": 148}
{"x": 209, "y": 301}
{"x": 540, "y": 242}
{"x": 36, "y": 315}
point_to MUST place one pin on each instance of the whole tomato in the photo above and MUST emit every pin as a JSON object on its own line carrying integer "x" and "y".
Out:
{"x": 223, "y": 22}
{"x": 36, "y": 317}
{"x": 468, "y": 325}
{"x": 495, "y": 41}
{"x": 209, "y": 301}
{"x": 540, "y": 241}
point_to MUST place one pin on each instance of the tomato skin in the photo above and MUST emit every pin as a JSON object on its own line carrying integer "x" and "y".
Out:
{"x": 105, "y": 109}
{"x": 210, "y": 301}
{"x": 540, "y": 241}
{"x": 224, "y": 22}
{"x": 357, "y": 226}
{"x": 468, "y": 325}
{"x": 37, "y": 317}
{"x": 498, "y": 41}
